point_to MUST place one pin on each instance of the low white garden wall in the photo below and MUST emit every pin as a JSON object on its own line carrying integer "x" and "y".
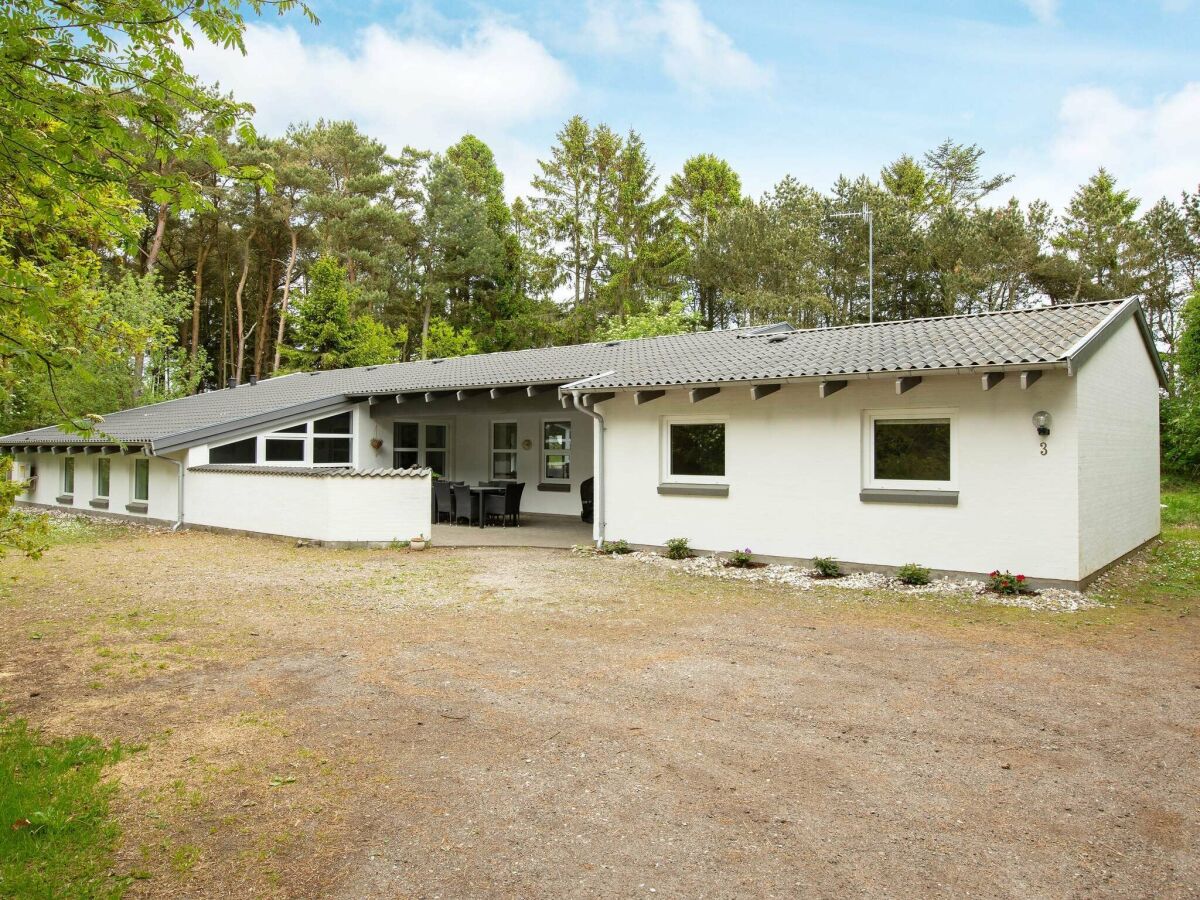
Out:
{"x": 336, "y": 505}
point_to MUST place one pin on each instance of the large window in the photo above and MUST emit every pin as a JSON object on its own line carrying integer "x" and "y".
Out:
{"x": 103, "y": 476}
{"x": 286, "y": 445}
{"x": 556, "y": 451}
{"x": 504, "y": 451}
{"x": 331, "y": 443}
{"x": 421, "y": 444}
{"x": 694, "y": 451}
{"x": 910, "y": 450}
{"x": 238, "y": 453}
{"x": 68, "y": 476}
{"x": 141, "y": 480}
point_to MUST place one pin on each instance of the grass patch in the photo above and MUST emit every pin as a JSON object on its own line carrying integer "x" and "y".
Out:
{"x": 66, "y": 530}
{"x": 1181, "y": 500}
{"x": 56, "y": 837}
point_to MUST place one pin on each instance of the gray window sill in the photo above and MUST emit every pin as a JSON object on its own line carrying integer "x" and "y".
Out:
{"x": 98, "y": 503}
{"x": 69, "y": 499}
{"x": 695, "y": 490}
{"x": 922, "y": 498}
{"x": 554, "y": 487}
{"x": 137, "y": 506}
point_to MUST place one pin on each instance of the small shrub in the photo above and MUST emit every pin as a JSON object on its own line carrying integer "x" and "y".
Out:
{"x": 1006, "y": 583}
{"x": 677, "y": 548}
{"x": 619, "y": 547}
{"x": 827, "y": 566}
{"x": 911, "y": 573}
{"x": 740, "y": 558}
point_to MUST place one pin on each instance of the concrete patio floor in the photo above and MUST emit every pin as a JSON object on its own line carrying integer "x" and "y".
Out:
{"x": 536, "y": 530}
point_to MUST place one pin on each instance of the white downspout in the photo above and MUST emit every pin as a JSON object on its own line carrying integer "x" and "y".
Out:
{"x": 179, "y": 482}
{"x": 576, "y": 397}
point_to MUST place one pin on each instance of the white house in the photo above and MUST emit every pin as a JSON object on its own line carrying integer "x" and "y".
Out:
{"x": 1023, "y": 440}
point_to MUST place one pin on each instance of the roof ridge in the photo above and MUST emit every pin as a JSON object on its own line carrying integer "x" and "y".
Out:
{"x": 975, "y": 315}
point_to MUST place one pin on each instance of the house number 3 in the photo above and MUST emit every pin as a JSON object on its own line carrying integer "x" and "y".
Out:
{"x": 1044, "y": 449}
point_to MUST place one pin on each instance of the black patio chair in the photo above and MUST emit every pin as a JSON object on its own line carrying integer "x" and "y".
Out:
{"x": 443, "y": 501}
{"x": 507, "y": 506}
{"x": 466, "y": 504}
{"x": 587, "y": 497}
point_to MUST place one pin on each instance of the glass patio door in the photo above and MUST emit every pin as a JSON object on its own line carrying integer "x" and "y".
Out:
{"x": 421, "y": 444}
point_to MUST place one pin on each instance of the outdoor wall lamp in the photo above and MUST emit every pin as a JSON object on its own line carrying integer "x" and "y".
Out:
{"x": 1041, "y": 421}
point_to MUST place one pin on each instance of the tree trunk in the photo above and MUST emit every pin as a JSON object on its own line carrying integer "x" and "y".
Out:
{"x": 201, "y": 258}
{"x": 262, "y": 340}
{"x": 425, "y": 321}
{"x": 283, "y": 305}
{"x": 160, "y": 228}
{"x": 240, "y": 324}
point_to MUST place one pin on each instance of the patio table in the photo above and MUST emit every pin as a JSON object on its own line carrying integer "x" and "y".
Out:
{"x": 483, "y": 490}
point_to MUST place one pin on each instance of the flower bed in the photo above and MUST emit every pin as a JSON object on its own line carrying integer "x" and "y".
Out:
{"x": 1049, "y": 599}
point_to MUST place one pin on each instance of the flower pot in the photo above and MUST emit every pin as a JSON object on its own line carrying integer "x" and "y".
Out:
{"x": 417, "y": 544}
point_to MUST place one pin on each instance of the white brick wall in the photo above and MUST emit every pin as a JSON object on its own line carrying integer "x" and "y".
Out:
{"x": 1117, "y": 393}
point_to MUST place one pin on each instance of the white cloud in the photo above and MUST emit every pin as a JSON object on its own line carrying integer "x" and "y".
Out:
{"x": 692, "y": 50}
{"x": 401, "y": 90}
{"x": 1152, "y": 149}
{"x": 1045, "y": 11}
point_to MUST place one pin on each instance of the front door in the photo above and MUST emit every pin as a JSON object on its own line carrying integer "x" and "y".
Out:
{"x": 422, "y": 444}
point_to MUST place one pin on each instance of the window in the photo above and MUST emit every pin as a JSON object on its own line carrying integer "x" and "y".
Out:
{"x": 695, "y": 451}
{"x": 421, "y": 444}
{"x": 103, "y": 471}
{"x": 504, "y": 451}
{"x": 141, "y": 480}
{"x": 556, "y": 451}
{"x": 302, "y": 428}
{"x": 331, "y": 443}
{"x": 339, "y": 424}
{"x": 910, "y": 450}
{"x": 406, "y": 445}
{"x": 237, "y": 453}
{"x": 283, "y": 450}
{"x": 68, "y": 475}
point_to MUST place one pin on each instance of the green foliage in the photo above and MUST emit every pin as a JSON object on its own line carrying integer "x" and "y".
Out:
{"x": 1180, "y": 413}
{"x": 913, "y": 574}
{"x": 619, "y": 547}
{"x": 444, "y": 340}
{"x": 677, "y": 548}
{"x": 827, "y": 566}
{"x": 741, "y": 559}
{"x": 58, "y": 838}
{"x": 672, "y": 319}
{"x": 21, "y": 531}
{"x": 1006, "y": 583}
{"x": 325, "y": 336}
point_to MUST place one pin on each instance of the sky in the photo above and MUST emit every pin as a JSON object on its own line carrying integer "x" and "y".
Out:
{"x": 1050, "y": 89}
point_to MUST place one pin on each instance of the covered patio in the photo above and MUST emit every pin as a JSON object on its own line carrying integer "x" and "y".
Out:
{"x": 536, "y": 530}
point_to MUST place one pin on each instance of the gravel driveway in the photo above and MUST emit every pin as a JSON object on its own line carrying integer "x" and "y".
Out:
{"x": 527, "y": 723}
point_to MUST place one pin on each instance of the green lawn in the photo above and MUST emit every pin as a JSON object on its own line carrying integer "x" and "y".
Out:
{"x": 56, "y": 837}
{"x": 1182, "y": 500}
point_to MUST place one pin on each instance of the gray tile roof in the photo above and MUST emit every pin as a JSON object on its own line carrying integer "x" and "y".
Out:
{"x": 1041, "y": 335}
{"x": 1028, "y": 336}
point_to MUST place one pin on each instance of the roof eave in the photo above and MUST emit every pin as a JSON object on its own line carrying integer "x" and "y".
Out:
{"x": 582, "y": 387}
{"x": 1094, "y": 339}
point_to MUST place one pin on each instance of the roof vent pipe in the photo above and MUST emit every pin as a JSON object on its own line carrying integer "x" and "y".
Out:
{"x": 231, "y": 383}
{"x": 253, "y": 380}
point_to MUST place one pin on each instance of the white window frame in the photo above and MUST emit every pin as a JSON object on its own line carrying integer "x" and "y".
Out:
{"x": 107, "y": 493}
{"x": 421, "y": 448}
{"x": 514, "y": 451}
{"x": 669, "y": 477}
{"x": 544, "y": 478}
{"x": 313, "y": 434}
{"x": 871, "y": 416}
{"x": 303, "y": 439}
{"x": 133, "y": 497}
{"x": 68, "y": 462}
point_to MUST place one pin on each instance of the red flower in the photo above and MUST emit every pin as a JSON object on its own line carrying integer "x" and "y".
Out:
{"x": 994, "y": 573}
{"x": 1020, "y": 578}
